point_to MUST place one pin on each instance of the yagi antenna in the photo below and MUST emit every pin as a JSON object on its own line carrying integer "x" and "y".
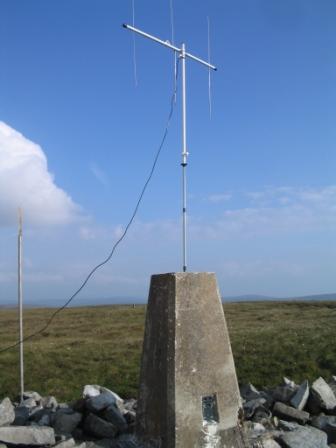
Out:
{"x": 181, "y": 53}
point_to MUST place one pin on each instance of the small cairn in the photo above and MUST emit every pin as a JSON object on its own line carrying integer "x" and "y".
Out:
{"x": 287, "y": 416}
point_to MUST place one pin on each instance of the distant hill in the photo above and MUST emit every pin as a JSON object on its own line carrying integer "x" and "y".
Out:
{"x": 261, "y": 298}
{"x": 130, "y": 300}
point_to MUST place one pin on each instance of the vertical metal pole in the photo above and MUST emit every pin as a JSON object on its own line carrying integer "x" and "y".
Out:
{"x": 20, "y": 304}
{"x": 184, "y": 158}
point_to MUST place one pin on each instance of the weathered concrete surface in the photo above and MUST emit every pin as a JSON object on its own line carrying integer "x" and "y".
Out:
{"x": 189, "y": 395}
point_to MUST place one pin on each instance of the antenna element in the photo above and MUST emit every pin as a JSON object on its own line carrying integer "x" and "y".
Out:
{"x": 181, "y": 53}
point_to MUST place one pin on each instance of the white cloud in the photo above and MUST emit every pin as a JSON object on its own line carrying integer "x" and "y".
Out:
{"x": 221, "y": 197}
{"x": 26, "y": 182}
{"x": 274, "y": 210}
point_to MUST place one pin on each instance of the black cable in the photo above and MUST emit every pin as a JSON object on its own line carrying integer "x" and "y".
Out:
{"x": 172, "y": 104}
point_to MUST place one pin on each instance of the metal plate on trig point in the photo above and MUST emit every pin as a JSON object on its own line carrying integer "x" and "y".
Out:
{"x": 210, "y": 408}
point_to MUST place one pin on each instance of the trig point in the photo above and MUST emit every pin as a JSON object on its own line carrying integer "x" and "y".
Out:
{"x": 189, "y": 396}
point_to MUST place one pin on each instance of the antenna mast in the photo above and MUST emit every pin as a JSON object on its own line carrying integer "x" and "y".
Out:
{"x": 181, "y": 52}
{"x": 20, "y": 304}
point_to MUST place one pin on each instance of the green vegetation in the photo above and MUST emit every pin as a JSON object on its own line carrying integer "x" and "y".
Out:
{"x": 102, "y": 345}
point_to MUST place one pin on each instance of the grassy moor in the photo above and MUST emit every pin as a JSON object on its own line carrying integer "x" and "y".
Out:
{"x": 102, "y": 345}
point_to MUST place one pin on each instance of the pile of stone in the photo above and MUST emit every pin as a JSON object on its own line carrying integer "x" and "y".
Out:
{"x": 101, "y": 419}
{"x": 290, "y": 415}
{"x": 287, "y": 416}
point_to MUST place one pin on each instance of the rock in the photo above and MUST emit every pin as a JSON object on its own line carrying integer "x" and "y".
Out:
{"x": 7, "y": 414}
{"x": 126, "y": 441}
{"x": 100, "y": 402}
{"x": 81, "y": 445}
{"x": 326, "y": 423}
{"x": 41, "y": 415}
{"x": 262, "y": 415}
{"x": 303, "y": 437}
{"x": 251, "y": 406}
{"x": 283, "y": 393}
{"x": 35, "y": 410}
{"x": 130, "y": 417}
{"x": 45, "y": 420}
{"x": 27, "y": 435}
{"x": 249, "y": 392}
{"x": 300, "y": 398}
{"x": 322, "y": 395}
{"x": 21, "y": 415}
{"x": 91, "y": 391}
{"x": 290, "y": 414}
{"x": 130, "y": 405}
{"x": 288, "y": 382}
{"x": 78, "y": 405}
{"x": 254, "y": 430}
{"x": 33, "y": 395}
{"x": 29, "y": 403}
{"x": 69, "y": 443}
{"x": 103, "y": 443}
{"x": 114, "y": 416}
{"x": 98, "y": 427}
{"x": 63, "y": 406}
{"x": 2, "y": 445}
{"x": 270, "y": 443}
{"x": 65, "y": 423}
{"x": 332, "y": 384}
{"x": 49, "y": 402}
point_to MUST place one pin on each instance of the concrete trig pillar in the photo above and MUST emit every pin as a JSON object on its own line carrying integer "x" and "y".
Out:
{"x": 189, "y": 396}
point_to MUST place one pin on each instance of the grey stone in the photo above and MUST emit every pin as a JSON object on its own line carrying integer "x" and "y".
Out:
{"x": 270, "y": 443}
{"x": 114, "y": 416}
{"x": 130, "y": 417}
{"x": 332, "y": 384}
{"x": 2, "y": 445}
{"x": 100, "y": 402}
{"x": 29, "y": 403}
{"x": 287, "y": 426}
{"x": 81, "y": 445}
{"x": 304, "y": 437}
{"x": 288, "y": 382}
{"x": 33, "y": 395}
{"x": 92, "y": 390}
{"x": 102, "y": 443}
{"x": 27, "y": 435}
{"x": 326, "y": 423}
{"x": 251, "y": 406}
{"x": 300, "y": 398}
{"x": 249, "y": 392}
{"x": 291, "y": 414}
{"x": 130, "y": 405}
{"x": 98, "y": 427}
{"x": 187, "y": 371}
{"x": 283, "y": 393}
{"x": 7, "y": 414}
{"x": 262, "y": 415}
{"x": 35, "y": 410}
{"x": 63, "y": 406}
{"x": 49, "y": 402}
{"x": 21, "y": 415}
{"x": 69, "y": 443}
{"x": 41, "y": 415}
{"x": 126, "y": 441}
{"x": 323, "y": 395}
{"x": 65, "y": 423}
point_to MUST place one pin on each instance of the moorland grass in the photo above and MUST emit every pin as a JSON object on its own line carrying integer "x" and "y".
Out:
{"x": 102, "y": 345}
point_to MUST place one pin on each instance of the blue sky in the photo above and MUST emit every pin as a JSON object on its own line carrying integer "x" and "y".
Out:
{"x": 77, "y": 139}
